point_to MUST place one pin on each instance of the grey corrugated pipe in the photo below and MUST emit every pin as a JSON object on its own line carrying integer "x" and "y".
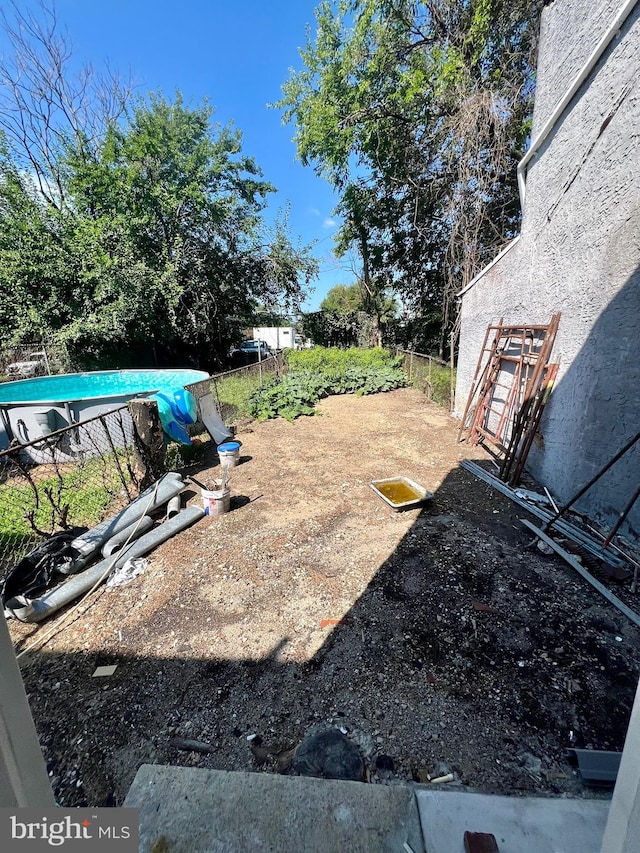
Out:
{"x": 89, "y": 543}
{"x": 133, "y": 531}
{"x": 40, "y": 608}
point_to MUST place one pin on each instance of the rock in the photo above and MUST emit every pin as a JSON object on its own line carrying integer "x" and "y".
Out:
{"x": 531, "y": 763}
{"x": 329, "y": 755}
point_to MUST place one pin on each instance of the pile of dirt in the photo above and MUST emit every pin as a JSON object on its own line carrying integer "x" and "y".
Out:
{"x": 433, "y": 639}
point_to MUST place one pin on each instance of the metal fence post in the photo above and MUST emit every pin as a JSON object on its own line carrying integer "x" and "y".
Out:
{"x": 451, "y": 382}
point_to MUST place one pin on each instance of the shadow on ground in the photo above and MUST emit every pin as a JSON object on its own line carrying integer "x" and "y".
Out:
{"x": 466, "y": 653}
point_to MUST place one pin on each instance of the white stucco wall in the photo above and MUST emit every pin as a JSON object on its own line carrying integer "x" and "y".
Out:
{"x": 579, "y": 253}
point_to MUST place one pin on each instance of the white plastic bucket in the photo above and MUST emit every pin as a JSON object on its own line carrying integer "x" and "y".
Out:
{"x": 216, "y": 502}
{"x": 229, "y": 454}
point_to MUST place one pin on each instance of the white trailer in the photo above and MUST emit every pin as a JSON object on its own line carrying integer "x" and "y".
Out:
{"x": 276, "y": 337}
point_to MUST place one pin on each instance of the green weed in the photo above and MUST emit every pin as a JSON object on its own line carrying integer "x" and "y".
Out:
{"x": 80, "y": 496}
{"x": 234, "y": 394}
{"x": 317, "y": 373}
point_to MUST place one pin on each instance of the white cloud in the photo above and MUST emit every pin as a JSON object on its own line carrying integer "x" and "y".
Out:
{"x": 315, "y": 211}
{"x": 329, "y": 223}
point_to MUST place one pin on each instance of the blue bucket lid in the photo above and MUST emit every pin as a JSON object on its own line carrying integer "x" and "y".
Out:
{"x": 229, "y": 446}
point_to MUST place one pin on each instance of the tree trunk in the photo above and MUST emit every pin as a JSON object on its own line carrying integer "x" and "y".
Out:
{"x": 149, "y": 447}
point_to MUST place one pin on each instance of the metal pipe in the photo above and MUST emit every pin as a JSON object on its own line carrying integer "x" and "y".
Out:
{"x": 570, "y": 531}
{"x": 593, "y": 480}
{"x": 571, "y": 560}
{"x": 624, "y": 513}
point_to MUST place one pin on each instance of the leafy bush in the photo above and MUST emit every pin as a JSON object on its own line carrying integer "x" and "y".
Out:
{"x": 317, "y": 373}
{"x": 328, "y": 359}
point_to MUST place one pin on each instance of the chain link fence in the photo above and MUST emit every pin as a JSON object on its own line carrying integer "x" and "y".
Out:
{"x": 76, "y": 476}
{"x": 34, "y": 358}
{"x": 86, "y": 472}
{"x": 232, "y": 389}
{"x": 432, "y": 375}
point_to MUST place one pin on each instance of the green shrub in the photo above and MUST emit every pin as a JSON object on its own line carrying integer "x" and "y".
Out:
{"x": 314, "y": 374}
{"x": 333, "y": 359}
{"x": 441, "y": 384}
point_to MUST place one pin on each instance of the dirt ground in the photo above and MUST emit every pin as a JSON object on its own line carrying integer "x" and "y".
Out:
{"x": 434, "y": 638}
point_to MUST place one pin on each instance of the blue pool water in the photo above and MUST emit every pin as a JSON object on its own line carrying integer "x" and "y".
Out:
{"x": 71, "y": 387}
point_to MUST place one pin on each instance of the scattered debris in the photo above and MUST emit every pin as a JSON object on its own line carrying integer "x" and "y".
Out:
{"x": 570, "y": 531}
{"x": 188, "y": 745}
{"x": 571, "y": 560}
{"x": 483, "y": 608}
{"x": 326, "y": 623}
{"x": 384, "y": 763}
{"x": 528, "y": 495}
{"x": 35, "y": 571}
{"x": 283, "y": 756}
{"x": 104, "y": 671}
{"x": 125, "y": 574}
{"x": 330, "y": 755}
{"x": 449, "y": 777}
{"x": 551, "y": 500}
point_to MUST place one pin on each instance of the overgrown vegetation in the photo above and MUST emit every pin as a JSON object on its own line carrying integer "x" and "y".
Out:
{"x": 78, "y": 496}
{"x": 435, "y": 381}
{"x": 417, "y": 114}
{"x": 234, "y": 394}
{"x": 317, "y": 373}
{"x": 131, "y": 229}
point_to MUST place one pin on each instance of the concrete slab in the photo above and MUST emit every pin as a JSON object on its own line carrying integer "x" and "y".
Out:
{"x": 190, "y": 810}
{"x": 520, "y": 824}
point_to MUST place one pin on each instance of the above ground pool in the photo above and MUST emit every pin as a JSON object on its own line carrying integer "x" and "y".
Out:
{"x": 32, "y": 408}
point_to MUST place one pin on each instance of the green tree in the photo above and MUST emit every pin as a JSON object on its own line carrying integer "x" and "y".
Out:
{"x": 343, "y": 299}
{"x": 417, "y": 114}
{"x": 127, "y": 230}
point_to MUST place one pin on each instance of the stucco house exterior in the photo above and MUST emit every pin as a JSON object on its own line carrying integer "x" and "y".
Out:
{"x": 578, "y": 253}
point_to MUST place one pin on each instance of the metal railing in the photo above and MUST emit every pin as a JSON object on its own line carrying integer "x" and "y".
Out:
{"x": 74, "y": 477}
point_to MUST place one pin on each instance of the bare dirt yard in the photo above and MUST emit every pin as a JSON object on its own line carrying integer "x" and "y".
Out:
{"x": 433, "y": 638}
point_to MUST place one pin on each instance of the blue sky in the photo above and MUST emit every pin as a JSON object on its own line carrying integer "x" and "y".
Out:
{"x": 236, "y": 54}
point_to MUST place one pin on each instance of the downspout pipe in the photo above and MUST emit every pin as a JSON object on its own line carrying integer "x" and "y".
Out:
{"x": 612, "y": 31}
{"x": 35, "y": 610}
{"x": 149, "y": 501}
